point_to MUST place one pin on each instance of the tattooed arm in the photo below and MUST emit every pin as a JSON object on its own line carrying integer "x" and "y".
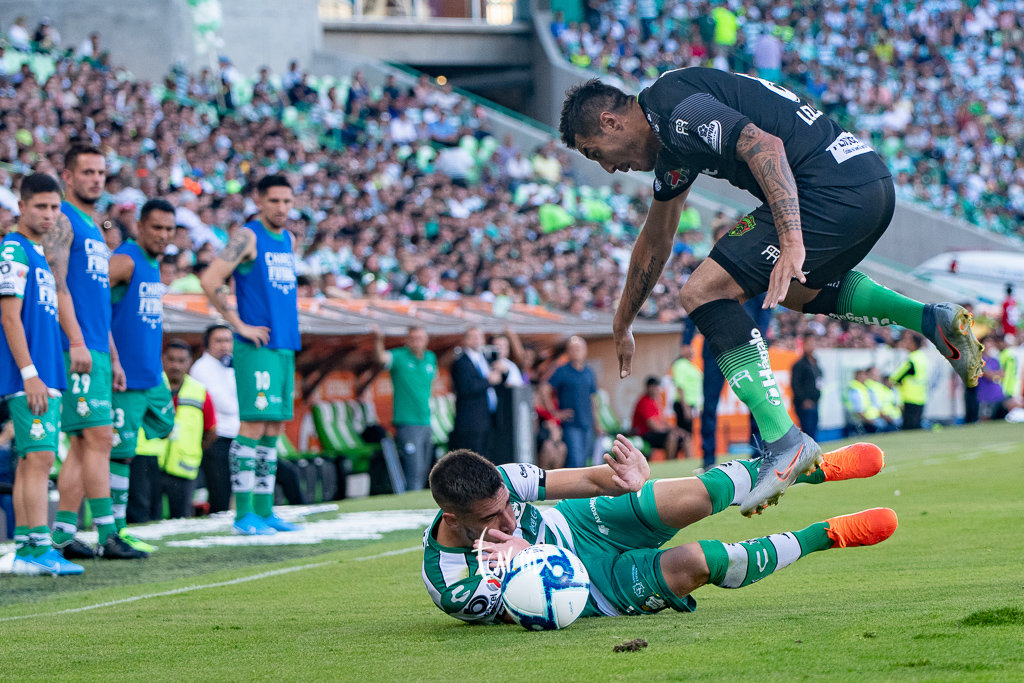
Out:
{"x": 651, "y": 251}
{"x": 240, "y": 249}
{"x": 766, "y": 157}
{"x": 57, "y": 247}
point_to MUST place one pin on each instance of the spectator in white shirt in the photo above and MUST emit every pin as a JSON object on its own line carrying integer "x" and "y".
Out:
{"x": 214, "y": 370}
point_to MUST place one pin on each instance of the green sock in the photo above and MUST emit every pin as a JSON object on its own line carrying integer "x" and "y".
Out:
{"x": 815, "y": 477}
{"x": 863, "y": 300}
{"x": 39, "y": 540}
{"x": 119, "y": 473}
{"x": 64, "y": 528}
{"x": 21, "y": 546}
{"x": 265, "y": 476}
{"x": 243, "y": 473}
{"x": 750, "y": 375}
{"x": 734, "y": 565}
{"x": 729, "y": 483}
{"x": 102, "y": 510}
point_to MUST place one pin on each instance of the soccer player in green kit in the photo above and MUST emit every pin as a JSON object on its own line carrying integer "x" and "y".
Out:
{"x": 259, "y": 258}
{"x": 137, "y": 326}
{"x": 616, "y": 521}
{"x": 32, "y": 371}
{"x": 80, "y": 261}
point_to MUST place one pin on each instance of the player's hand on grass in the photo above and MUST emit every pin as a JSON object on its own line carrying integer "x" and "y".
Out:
{"x": 788, "y": 267}
{"x": 628, "y": 464}
{"x": 37, "y": 395}
{"x": 624, "y": 348}
{"x": 500, "y": 548}
{"x": 257, "y": 334}
{"x": 119, "y": 381}
{"x": 81, "y": 359}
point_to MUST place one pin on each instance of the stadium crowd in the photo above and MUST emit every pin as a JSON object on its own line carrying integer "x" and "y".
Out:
{"x": 935, "y": 86}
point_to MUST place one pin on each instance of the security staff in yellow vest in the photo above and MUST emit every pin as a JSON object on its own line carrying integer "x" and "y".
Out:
{"x": 862, "y": 414}
{"x": 912, "y": 380}
{"x": 1008, "y": 364}
{"x": 887, "y": 400}
{"x": 180, "y": 453}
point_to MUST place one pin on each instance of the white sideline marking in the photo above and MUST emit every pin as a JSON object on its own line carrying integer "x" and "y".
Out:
{"x": 219, "y": 584}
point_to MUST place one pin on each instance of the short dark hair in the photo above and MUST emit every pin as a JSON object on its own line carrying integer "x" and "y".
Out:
{"x": 652, "y": 380}
{"x": 155, "y": 204}
{"x": 79, "y": 149}
{"x": 267, "y": 182}
{"x": 38, "y": 183}
{"x": 209, "y": 333}
{"x": 462, "y": 478}
{"x": 582, "y": 109}
{"x": 178, "y": 343}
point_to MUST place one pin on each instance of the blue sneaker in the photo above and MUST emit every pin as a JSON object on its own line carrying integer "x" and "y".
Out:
{"x": 275, "y": 522}
{"x": 252, "y": 525}
{"x": 50, "y": 562}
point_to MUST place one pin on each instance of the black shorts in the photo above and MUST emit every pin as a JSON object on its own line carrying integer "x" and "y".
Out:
{"x": 656, "y": 439}
{"x": 840, "y": 226}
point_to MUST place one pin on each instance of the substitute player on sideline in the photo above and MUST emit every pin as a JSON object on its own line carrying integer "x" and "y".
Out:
{"x": 616, "y": 521}
{"x": 32, "y": 371}
{"x": 828, "y": 197}
{"x": 137, "y": 324}
{"x": 80, "y": 261}
{"x": 259, "y": 257}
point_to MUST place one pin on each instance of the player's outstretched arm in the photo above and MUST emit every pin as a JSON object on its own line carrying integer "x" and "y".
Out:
{"x": 765, "y": 155}
{"x": 626, "y": 471}
{"x": 650, "y": 253}
{"x": 241, "y": 248}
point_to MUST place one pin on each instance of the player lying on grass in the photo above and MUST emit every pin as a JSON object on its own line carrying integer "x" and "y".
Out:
{"x": 616, "y": 521}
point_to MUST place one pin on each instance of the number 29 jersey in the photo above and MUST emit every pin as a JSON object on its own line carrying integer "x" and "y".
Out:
{"x": 698, "y": 113}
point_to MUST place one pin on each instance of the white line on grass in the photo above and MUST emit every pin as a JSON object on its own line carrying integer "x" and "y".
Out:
{"x": 219, "y": 584}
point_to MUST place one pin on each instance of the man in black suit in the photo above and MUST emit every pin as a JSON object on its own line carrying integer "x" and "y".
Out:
{"x": 806, "y": 383}
{"x": 475, "y": 400}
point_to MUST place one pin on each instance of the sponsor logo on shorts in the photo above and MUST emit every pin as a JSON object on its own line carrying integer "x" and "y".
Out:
{"x": 771, "y": 387}
{"x": 638, "y": 586}
{"x": 654, "y": 604}
{"x": 681, "y": 126}
{"x": 771, "y": 253}
{"x": 677, "y": 177}
{"x": 846, "y": 146}
{"x": 743, "y": 227}
{"x": 711, "y": 133}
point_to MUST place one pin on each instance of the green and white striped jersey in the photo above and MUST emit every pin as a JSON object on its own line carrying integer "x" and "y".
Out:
{"x": 452, "y": 575}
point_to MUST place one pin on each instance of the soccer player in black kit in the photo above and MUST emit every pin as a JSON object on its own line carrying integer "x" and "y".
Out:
{"x": 827, "y": 198}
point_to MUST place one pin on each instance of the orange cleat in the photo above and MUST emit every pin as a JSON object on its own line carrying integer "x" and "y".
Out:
{"x": 856, "y": 461}
{"x": 861, "y": 528}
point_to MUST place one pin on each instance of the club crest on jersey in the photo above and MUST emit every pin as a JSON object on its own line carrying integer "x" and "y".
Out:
{"x": 677, "y": 177}
{"x": 681, "y": 126}
{"x": 36, "y": 431}
{"x": 743, "y": 227}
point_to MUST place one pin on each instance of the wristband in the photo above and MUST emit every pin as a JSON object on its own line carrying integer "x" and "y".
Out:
{"x": 28, "y": 372}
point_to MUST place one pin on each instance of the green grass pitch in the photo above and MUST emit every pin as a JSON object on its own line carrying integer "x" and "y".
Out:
{"x": 942, "y": 599}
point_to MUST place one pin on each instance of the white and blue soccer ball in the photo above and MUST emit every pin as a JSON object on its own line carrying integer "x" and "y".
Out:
{"x": 545, "y": 588}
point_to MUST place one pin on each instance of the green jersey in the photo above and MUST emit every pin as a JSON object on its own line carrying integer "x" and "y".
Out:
{"x": 452, "y": 575}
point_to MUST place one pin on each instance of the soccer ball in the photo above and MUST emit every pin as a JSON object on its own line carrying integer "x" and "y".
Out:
{"x": 545, "y": 588}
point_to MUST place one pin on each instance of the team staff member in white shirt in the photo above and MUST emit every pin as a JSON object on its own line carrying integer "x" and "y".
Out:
{"x": 214, "y": 369}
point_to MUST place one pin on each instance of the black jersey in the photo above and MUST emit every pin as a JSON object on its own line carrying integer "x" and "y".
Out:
{"x": 698, "y": 114}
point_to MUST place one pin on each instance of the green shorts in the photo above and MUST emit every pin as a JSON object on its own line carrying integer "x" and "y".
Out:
{"x": 87, "y": 401}
{"x": 266, "y": 382}
{"x": 129, "y": 407}
{"x": 34, "y": 432}
{"x": 619, "y": 540}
